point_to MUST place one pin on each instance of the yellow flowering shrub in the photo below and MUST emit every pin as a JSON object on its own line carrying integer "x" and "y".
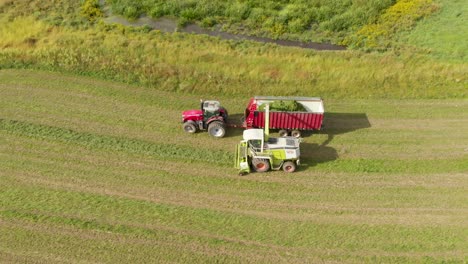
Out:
{"x": 401, "y": 16}
{"x": 91, "y": 10}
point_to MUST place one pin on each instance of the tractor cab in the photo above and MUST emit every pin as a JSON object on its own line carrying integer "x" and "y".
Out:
{"x": 210, "y": 108}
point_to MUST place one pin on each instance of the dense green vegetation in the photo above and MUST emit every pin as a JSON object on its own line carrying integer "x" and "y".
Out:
{"x": 53, "y": 12}
{"x": 94, "y": 165}
{"x": 317, "y": 19}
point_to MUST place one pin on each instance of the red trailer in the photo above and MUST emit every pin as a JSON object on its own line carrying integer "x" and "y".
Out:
{"x": 288, "y": 123}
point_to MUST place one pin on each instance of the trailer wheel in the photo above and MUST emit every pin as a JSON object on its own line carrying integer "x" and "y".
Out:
{"x": 190, "y": 127}
{"x": 296, "y": 133}
{"x": 283, "y": 133}
{"x": 261, "y": 165}
{"x": 216, "y": 129}
{"x": 289, "y": 166}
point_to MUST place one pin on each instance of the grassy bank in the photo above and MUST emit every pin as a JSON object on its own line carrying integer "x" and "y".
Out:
{"x": 443, "y": 36}
{"x": 198, "y": 64}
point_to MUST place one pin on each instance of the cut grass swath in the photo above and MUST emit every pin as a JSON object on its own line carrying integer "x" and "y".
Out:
{"x": 165, "y": 151}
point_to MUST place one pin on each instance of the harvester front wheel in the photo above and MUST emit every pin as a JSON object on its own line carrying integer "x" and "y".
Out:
{"x": 289, "y": 166}
{"x": 190, "y": 127}
{"x": 261, "y": 165}
{"x": 216, "y": 129}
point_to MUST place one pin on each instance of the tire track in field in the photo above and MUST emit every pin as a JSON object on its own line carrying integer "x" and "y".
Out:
{"x": 161, "y": 182}
{"x": 330, "y": 213}
{"x": 244, "y": 249}
{"x": 154, "y": 235}
{"x": 203, "y": 188}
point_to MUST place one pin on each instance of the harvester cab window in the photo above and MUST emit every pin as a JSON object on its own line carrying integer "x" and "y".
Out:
{"x": 273, "y": 140}
{"x": 256, "y": 144}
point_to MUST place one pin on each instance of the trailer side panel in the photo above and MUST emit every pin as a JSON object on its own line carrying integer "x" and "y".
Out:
{"x": 289, "y": 120}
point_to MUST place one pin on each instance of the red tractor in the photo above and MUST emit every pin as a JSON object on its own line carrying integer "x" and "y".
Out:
{"x": 211, "y": 116}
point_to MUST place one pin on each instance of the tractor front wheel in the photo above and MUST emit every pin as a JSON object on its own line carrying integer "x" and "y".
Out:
{"x": 216, "y": 129}
{"x": 289, "y": 166}
{"x": 261, "y": 165}
{"x": 190, "y": 127}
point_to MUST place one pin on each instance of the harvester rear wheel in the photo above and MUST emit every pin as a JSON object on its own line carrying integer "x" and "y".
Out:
{"x": 283, "y": 133}
{"x": 289, "y": 166}
{"x": 190, "y": 127}
{"x": 216, "y": 129}
{"x": 261, "y": 165}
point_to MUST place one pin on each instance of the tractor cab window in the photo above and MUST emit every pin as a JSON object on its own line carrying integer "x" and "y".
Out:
{"x": 211, "y": 106}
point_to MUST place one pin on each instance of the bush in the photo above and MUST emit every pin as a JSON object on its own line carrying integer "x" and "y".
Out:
{"x": 91, "y": 10}
{"x": 157, "y": 11}
{"x": 237, "y": 12}
{"x": 189, "y": 14}
{"x": 131, "y": 12}
{"x": 208, "y": 22}
{"x": 297, "y": 25}
{"x": 258, "y": 15}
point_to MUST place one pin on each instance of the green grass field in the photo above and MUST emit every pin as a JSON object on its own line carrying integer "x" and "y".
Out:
{"x": 95, "y": 166}
{"x": 98, "y": 171}
{"x": 443, "y": 36}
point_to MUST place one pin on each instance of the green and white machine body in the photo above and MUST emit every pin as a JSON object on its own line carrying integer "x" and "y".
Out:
{"x": 260, "y": 153}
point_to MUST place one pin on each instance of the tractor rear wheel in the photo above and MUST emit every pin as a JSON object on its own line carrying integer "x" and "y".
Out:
{"x": 283, "y": 133}
{"x": 261, "y": 165}
{"x": 190, "y": 127}
{"x": 216, "y": 129}
{"x": 289, "y": 166}
{"x": 296, "y": 133}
